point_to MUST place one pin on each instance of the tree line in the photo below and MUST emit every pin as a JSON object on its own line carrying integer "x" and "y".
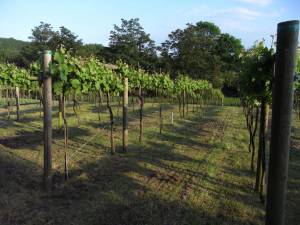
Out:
{"x": 200, "y": 50}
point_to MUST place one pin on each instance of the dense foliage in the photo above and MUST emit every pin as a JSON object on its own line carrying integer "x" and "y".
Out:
{"x": 256, "y": 79}
{"x": 10, "y": 49}
{"x": 256, "y": 95}
{"x": 12, "y": 76}
{"x": 200, "y": 50}
{"x": 133, "y": 45}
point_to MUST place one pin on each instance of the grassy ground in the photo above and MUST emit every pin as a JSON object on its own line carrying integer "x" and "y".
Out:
{"x": 195, "y": 172}
{"x": 25, "y": 101}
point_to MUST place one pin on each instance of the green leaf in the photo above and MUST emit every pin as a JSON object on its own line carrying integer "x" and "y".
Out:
{"x": 75, "y": 83}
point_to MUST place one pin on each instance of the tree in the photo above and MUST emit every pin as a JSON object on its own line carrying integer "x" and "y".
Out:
{"x": 256, "y": 85}
{"x": 229, "y": 49}
{"x": 42, "y": 36}
{"x": 88, "y": 50}
{"x": 28, "y": 54}
{"x": 201, "y": 51}
{"x": 41, "y": 39}
{"x": 192, "y": 51}
{"x": 65, "y": 37}
{"x": 10, "y": 49}
{"x": 130, "y": 43}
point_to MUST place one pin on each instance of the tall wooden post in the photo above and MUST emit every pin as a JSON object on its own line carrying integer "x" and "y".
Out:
{"x": 160, "y": 118}
{"x": 61, "y": 110}
{"x": 287, "y": 39}
{"x": 18, "y": 102}
{"x": 183, "y": 103}
{"x": 125, "y": 115}
{"x": 47, "y": 93}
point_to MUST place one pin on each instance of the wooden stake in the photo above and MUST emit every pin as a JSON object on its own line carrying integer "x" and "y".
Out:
{"x": 125, "y": 115}
{"x": 47, "y": 83}
{"x": 18, "y": 103}
{"x": 287, "y": 40}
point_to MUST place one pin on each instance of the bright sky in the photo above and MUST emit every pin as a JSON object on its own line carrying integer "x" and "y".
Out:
{"x": 93, "y": 20}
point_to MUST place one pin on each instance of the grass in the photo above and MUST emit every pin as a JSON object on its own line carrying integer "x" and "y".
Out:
{"x": 196, "y": 172}
{"x": 23, "y": 101}
{"x": 231, "y": 101}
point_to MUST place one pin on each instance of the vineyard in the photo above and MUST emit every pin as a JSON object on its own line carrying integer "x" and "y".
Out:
{"x": 87, "y": 142}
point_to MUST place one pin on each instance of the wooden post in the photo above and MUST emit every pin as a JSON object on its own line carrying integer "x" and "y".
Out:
{"x": 160, "y": 118}
{"x": 172, "y": 118}
{"x": 61, "y": 110}
{"x": 141, "y": 100}
{"x": 183, "y": 103}
{"x": 125, "y": 115}
{"x": 47, "y": 93}
{"x": 287, "y": 39}
{"x": 18, "y": 103}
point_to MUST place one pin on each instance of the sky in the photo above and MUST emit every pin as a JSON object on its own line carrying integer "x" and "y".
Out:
{"x": 92, "y": 20}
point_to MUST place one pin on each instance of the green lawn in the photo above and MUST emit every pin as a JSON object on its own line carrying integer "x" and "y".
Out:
{"x": 196, "y": 172}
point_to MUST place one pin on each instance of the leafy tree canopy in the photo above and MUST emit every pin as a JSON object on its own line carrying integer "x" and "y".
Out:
{"x": 257, "y": 73}
{"x": 130, "y": 43}
{"x": 201, "y": 51}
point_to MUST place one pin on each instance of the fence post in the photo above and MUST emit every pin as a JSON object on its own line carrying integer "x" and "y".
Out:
{"x": 18, "y": 102}
{"x": 287, "y": 39}
{"x": 47, "y": 92}
{"x": 125, "y": 115}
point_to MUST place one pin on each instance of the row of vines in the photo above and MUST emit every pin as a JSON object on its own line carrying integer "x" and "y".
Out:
{"x": 256, "y": 84}
{"x": 75, "y": 78}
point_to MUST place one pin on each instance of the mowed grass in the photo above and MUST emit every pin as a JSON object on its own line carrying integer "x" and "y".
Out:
{"x": 196, "y": 172}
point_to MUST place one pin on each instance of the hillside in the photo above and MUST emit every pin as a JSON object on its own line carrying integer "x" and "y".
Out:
{"x": 10, "y": 48}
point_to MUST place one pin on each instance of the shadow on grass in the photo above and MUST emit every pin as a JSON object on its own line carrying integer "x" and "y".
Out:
{"x": 293, "y": 195}
{"x": 24, "y": 139}
{"x": 101, "y": 192}
{"x": 124, "y": 189}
